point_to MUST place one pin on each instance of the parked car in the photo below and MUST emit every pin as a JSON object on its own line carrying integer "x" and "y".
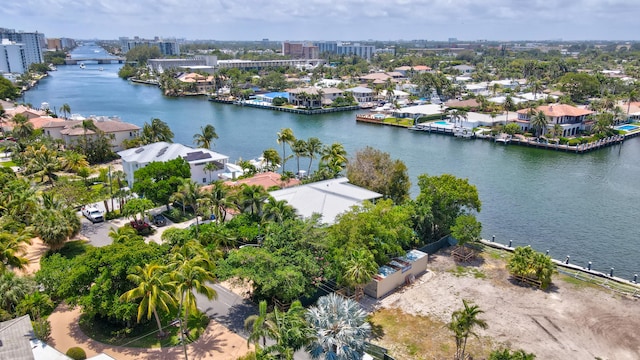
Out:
{"x": 93, "y": 213}
{"x": 159, "y": 220}
{"x": 141, "y": 226}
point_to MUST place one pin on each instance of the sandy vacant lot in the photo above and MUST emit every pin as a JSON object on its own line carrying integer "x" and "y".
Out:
{"x": 566, "y": 322}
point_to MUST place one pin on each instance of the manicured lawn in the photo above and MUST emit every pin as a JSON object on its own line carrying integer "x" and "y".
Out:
{"x": 8, "y": 163}
{"x": 419, "y": 337}
{"x": 399, "y": 121}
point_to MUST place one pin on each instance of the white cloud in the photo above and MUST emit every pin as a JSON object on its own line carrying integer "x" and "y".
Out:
{"x": 314, "y": 19}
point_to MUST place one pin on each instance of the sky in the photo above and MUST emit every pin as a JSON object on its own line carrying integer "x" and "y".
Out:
{"x": 277, "y": 20}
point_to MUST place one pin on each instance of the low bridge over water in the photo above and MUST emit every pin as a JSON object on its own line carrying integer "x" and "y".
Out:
{"x": 76, "y": 61}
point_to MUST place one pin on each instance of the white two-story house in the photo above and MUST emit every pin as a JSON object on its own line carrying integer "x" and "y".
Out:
{"x": 137, "y": 158}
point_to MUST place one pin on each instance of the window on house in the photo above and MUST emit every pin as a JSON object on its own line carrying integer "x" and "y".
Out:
{"x": 204, "y": 180}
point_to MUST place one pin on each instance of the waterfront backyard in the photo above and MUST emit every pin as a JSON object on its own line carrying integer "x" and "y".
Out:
{"x": 572, "y": 320}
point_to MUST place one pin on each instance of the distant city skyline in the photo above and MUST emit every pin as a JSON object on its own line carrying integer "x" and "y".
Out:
{"x": 277, "y": 20}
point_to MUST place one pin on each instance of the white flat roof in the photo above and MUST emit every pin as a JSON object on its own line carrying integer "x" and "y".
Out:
{"x": 427, "y": 109}
{"x": 328, "y": 198}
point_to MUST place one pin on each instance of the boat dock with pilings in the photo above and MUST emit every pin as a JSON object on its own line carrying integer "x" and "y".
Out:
{"x": 286, "y": 109}
{"x": 579, "y": 149}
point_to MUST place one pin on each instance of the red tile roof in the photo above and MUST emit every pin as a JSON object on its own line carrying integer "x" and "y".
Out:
{"x": 558, "y": 110}
{"x": 266, "y": 180}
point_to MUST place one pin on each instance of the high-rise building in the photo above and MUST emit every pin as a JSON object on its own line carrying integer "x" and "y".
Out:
{"x": 340, "y": 48}
{"x": 167, "y": 47}
{"x": 33, "y": 43}
{"x": 60, "y": 44}
{"x": 12, "y": 57}
{"x": 300, "y": 50}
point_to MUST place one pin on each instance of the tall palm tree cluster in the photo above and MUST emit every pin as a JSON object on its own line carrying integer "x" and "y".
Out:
{"x": 333, "y": 158}
{"x": 218, "y": 199}
{"x": 169, "y": 288}
{"x": 335, "y": 328}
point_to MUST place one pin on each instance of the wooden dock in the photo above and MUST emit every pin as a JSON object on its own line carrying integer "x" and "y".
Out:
{"x": 286, "y": 109}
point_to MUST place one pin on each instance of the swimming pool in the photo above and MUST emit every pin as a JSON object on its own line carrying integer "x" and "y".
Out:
{"x": 627, "y": 127}
{"x": 441, "y": 122}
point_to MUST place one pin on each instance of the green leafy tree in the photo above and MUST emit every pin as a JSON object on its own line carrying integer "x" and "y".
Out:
{"x": 204, "y": 139}
{"x": 381, "y": 228}
{"x": 137, "y": 209}
{"x": 277, "y": 210}
{"x": 154, "y": 288}
{"x": 374, "y": 170}
{"x": 466, "y": 229}
{"x": 251, "y": 199}
{"x": 8, "y": 90}
{"x": 441, "y": 200}
{"x": 159, "y": 180}
{"x": 272, "y": 159}
{"x": 291, "y": 331}
{"x": 579, "y": 86}
{"x": 340, "y": 327}
{"x": 462, "y": 325}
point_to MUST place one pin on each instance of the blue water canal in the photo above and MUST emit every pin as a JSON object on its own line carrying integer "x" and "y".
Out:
{"x": 585, "y": 206}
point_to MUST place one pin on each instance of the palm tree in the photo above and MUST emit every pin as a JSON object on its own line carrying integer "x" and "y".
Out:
{"x": 314, "y": 147}
{"x": 188, "y": 194}
{"x": 557, "y": 130}
{"x": 210, "y": 167}
{"x": 191, "y": 273}
{"x": 340, "y": 326}
{"x": 218, "y": 200}
{"x": 73, "y": 161}
{"x": 277, "y": 210}
{"x": 458, "y": 115}
{"x": 259, "y": 326}
{"x": 56, "y": 226}
{"x": 155, "y": 288}
{"x": 539, "y": 122}
{"x": 291, "y": 331}
{"x": 22, "y": 128}
{"x": 13, "y": 289}
{"x": 463, "y": 322}
{"x": 65, "y": 109}
{"x": 86, "y": 125}
{"x": 123, "y": 234}
{"x": 157, "y": 131}
{"x": 359, "y": 268}
{"x": 334, "y": 158}
{"x": 507, "y": 106}
{"x": 272, "y": 158}
{"x": 285, "y": 136}
{"x": 251, "y": 199}
{"x": 204, "y": 139}
{"x": 12, "y": 248}
{"x": 299, "y": 148}
{"x": 632, "y": 96}
{"x": 43, "y": 162}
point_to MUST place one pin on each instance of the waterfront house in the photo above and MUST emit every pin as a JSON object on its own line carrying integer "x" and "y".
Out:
{"x": 570, "y": 118}
{"x": 28, "y": 112}
{"x": 363, "y": 95}
{"x": 311, "y": 97}
{"x": 71, "y": 131}
{"x": 397, "y": 95}
{"x": 136, "y": 158}
{"x": 202, "y": 84}
{"x": 329, "y": 198}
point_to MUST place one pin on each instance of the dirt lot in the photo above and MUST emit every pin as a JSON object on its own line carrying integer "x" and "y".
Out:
{"x": 569, "y": 321}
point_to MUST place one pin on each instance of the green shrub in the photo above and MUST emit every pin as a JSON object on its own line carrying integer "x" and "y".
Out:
{"x": 76, "y": 353}
{"x": 41, "y": 329}
{"x": 573, "y": 142}
{"x": 114, "y": 214}
{"x": 563, "y": 140}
